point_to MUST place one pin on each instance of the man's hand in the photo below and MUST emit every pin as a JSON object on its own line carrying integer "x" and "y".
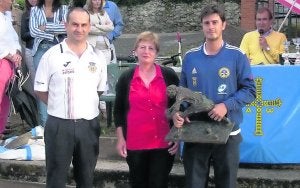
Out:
{"x": 218, "y": 112}
{"x": 263, "y": 43}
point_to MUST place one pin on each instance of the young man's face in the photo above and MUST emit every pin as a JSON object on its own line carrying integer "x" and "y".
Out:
{"x": 263, "y": 22}
{"x": 78, "y": 26}
{"x": 213, "y": 27}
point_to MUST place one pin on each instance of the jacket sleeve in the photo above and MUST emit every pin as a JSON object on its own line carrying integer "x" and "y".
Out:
{"x": 275, "y": 52}
{"x": 246, "y": 90}
{"x": 121, "y": 100}
{"x": 117, "y": 20}
{"x": 25, "y": 32}
{"x": 104, "y": 26}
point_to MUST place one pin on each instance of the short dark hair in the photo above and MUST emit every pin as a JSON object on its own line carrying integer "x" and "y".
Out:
{"x": 55, "y": 4}
{"x": 79, "y": 9}
{"x": 27, "y": 6}
{"x": 212, "y": 9}
{"x": 264, "y": 9}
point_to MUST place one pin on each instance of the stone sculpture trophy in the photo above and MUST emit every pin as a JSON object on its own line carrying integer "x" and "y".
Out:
{"x": 201, "y": 130}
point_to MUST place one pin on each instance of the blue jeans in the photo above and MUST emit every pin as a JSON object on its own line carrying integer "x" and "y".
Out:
{"x": 42, "y": 107}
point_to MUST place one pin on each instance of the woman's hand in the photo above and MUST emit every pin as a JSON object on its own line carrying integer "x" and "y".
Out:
{"x": 42, "y": 27}
{"x": 121, "y": 143}
{"x": 178, "y": 120}
{"x": 15, "y": 58}
{"x": 173, "y": 147}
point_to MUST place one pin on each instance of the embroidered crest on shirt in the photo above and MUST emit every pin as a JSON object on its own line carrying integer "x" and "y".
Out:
{"x": 92, "y": 67}
{"x": 194, "y": 77}
{"x": 222, "y": 89}
{"x": 224, "y": 72}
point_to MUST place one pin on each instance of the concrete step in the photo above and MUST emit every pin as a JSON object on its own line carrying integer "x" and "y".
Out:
{"x": 112, "y": 171}
{"x": 114, "y": 174}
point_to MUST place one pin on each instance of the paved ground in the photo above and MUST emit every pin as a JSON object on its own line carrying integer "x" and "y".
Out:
{"x": 22, "y": 184}
{"x": 169, "y": 45}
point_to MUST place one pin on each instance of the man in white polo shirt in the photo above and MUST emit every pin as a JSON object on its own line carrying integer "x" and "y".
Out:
{"x": 69, "y": 79}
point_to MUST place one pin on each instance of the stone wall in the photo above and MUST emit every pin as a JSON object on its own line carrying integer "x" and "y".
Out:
{"x": 160, "y": 16}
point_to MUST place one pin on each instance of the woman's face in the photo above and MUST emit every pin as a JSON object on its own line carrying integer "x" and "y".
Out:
{"x": 96, "y": 4}
{"x": 146, "y": 52}
{"x": 32, "y": 2}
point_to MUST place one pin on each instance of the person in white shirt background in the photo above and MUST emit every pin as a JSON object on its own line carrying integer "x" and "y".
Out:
{"x": 10, "y": 58}
{"x": 101, "y": 25}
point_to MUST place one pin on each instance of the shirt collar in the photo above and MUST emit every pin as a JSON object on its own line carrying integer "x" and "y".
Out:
{"x": 157, "y": 69}
{"x": 66, "y": 48}
{"x": 204, "y": 49}
{"x": 267, "y": 33}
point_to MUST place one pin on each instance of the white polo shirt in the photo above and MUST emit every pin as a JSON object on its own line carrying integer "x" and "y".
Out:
{"x": 71, "y": 82}
{"x": 9, "y": 40}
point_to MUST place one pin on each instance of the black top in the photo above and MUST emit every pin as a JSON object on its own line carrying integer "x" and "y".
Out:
{"x": 25, "y": 32}
{"x": 121, "y": 106}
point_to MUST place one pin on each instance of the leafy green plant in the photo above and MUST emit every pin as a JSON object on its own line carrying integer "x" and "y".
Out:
{"x": 20, "y": 4}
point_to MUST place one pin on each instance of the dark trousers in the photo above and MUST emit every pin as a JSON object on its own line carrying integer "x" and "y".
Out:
{"x": 149, "y": 168}
{"x": 67, "y": 141}
{"x": 197, "y": 159}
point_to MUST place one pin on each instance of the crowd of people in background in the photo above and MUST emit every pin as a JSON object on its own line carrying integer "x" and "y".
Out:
{"x": 67, "y": 49}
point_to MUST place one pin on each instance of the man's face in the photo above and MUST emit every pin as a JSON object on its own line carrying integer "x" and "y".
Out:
{"x": 263, "y": 22}
{"x": 213, "y": 27}
{"x": 5, "y": 5}
{"x": 78, "y": 26}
